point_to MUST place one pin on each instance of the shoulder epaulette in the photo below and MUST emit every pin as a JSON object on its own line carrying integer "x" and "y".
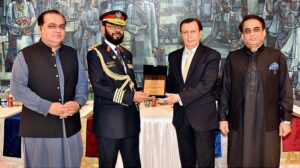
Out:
{"x": 124, "y": 47}
{"x": 94, "y": 46}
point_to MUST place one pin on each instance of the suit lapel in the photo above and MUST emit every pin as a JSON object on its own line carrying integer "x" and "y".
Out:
{"x": 196, "y": 58}
{"x": 179, "y": 62}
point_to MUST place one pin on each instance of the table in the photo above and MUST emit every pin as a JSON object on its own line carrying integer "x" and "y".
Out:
{"x": 9, "y": 161}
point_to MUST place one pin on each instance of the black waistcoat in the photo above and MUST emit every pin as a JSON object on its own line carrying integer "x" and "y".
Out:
{"x": 43, "y": 80}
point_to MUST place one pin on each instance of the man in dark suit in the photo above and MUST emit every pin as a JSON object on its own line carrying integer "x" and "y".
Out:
{"x": 193, "y": 71}
{"x": 116, "y": 116}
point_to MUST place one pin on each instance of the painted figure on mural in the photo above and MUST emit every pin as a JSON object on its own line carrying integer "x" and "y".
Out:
{"x": 105, "y": 6}
{"x": 285, "y": 27}
{"x": 87, "y": 33}
{"x": 224, "y": 34}
{"x": 21, "y": 17}
{"x": 20, "y": 20}
{"x": 190, "y": 8}
{"x": 43, "y": 6}
{"x": 67, "y": 8}
{"x": 53, "y": 4}
{"x": 142, "y": 25}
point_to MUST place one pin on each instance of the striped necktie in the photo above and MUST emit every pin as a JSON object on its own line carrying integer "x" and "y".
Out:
{"x": 120, "y": 57}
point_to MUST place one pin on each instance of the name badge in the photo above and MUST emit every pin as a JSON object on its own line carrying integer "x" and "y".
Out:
{"x": 110, "y": 64}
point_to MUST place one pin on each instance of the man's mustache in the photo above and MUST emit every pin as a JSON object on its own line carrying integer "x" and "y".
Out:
{"x": 117, "y": 34}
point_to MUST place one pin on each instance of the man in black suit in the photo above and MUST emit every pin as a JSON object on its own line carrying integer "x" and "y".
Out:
{"x": 193, "y": 71}
{"x": 116, "y": 116}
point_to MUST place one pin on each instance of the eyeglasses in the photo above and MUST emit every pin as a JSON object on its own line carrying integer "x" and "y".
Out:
{"x": 254, "y": 30}
{"x": 115, "y": 27}
{"x": 54, "y": 26}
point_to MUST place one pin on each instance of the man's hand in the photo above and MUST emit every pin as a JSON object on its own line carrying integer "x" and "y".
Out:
{"x": 57, "y": 109}
{"x": 171, "y": 98}
{"x": 72, "y": 107}
{"x": 64, "y": 110}
{"x": 223, "y": 126}
{"x": 140, "y": 97}
{"x": 284, "y": 129}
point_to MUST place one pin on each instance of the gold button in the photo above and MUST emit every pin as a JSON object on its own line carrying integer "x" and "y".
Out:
{"x": 54, "y": 65}
{"x": 52, "y": 54}
{"x": 59, "y": 99}
{"x": 56, "y": 76}
{"x": 57, "y": 88}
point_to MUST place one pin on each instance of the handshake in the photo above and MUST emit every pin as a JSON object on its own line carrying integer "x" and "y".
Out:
{"x": 171, "y": 98}
{"x": 64, "y": 110}
{"x": 141, "y": 96}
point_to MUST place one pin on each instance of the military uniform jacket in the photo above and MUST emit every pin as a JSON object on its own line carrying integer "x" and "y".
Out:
{"x": 112, "y": 119}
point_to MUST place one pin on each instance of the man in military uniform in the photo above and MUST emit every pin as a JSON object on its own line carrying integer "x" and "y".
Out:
{"x": 116, "y": 116}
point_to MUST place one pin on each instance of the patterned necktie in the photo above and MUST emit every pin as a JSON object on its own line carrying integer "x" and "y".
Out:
{"x": 119, "y": 55}
{"x": 186, "y": 66}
